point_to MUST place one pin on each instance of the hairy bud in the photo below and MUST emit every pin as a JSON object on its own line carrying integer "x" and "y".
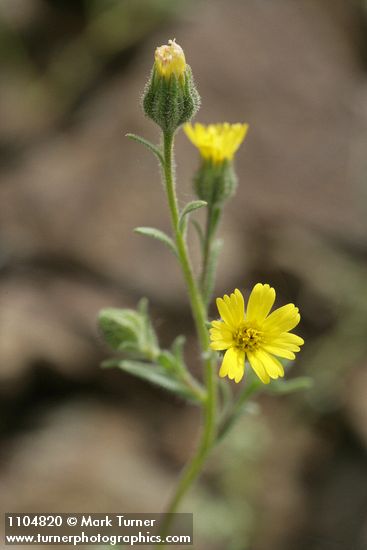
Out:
{"x": 170, "y": 97}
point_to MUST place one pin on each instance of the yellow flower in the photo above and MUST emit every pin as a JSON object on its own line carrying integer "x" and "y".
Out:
{"x": 216, "y": 142}
{"x": 170, "y": 59}
{"x": 254, "y": 335}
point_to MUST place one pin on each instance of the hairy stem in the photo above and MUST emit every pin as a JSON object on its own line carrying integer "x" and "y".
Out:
{"x": 193, "y": 468}
{"x": 207, "y": 276}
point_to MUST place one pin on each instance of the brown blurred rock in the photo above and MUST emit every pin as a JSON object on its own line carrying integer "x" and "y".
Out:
{"x": 281, "y": 502}
{"x": 20, "y": 14}
{"x": 52, "y": 320}
{"x": 80, "y": 196}
{"x": 83, "y": 457}
{"x": 292, "y": 71}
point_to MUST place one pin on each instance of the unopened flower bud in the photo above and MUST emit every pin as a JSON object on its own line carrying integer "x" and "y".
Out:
{"x": 215, "y": 183}
{"x": 130, "y": 331}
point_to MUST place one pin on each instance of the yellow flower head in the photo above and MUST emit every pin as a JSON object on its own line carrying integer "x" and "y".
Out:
{"x": 254, "y": 335}
{"x": 216, "y": 142}
{"x": 170, "y": 59}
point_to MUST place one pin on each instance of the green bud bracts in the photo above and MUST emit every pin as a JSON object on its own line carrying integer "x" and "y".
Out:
{"x": 215, "y": 183}
{"x": 171, "y": 101}
{"x": 130, "y": 331}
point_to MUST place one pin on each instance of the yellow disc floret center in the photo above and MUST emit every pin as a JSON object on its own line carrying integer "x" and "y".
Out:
{"x": 247, "y": 338}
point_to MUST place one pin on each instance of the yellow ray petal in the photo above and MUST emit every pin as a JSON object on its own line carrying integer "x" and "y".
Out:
{"x": 235, "y": 304}
{"x": 220, "y": 345}
{"x": 240, "y": 367}
{"x": 216, "y": 142}
{"x": 280, "y": 343}
{"x": 280, "y": 352}
{"x": 240, "y": 305}
{"x": 282, "y": 319}
{"x": 217, "y": 324}
{"x": 258, "y": 367}
{"x": 273, "y": 367}
{"x": 260, "y": 302}
{"x": 291, "y": 338}
{"x": 229, "y": 363}
{"x": 225, "y": 312}
{"x": 223, "y": 333}
{"x": 237, "y": 366}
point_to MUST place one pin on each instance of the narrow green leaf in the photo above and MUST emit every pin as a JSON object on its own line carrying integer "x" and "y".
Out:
{"x": 280, "y": 387}
{"x": 239, "y": 407}
{"x": 142, "y": 306}
{"x": 289, "y": 386}
{"x": 177, "y": 348}
{"x": 159, "y": 235}
{"x": 148, "y": 145}
{"x": 190, "y": 207}
{"x": 200, "y": 233}
{"x": 167, "y": 361}
{"x": 152, "y": 374}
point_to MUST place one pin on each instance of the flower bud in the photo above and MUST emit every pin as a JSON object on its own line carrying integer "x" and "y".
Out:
{"x": 170, "y": 97}
{"x": 215, "y": 183}
{"x": 130, "y": 331}
{"x": 215, "y": 180}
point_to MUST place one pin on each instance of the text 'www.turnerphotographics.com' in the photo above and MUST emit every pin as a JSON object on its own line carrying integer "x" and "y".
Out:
{"x": 112, "y": 529}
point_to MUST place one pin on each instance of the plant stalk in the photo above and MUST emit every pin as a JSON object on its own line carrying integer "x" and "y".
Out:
{"x": 207, "y": 279}
{"x": 194, "y": 466}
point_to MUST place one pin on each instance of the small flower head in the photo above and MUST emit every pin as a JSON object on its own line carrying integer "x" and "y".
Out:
{"x": 256, "y": 335}
{"x": 216, "y": 142}
{"x": 215, "y": 180}
{"x": 170, "y": 59}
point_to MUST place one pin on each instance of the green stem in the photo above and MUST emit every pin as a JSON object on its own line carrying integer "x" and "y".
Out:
{"x": 207, "y": 245}
{"x": 195, "y": 387}
{"x": 212, "y": 220}
{"x": 197, "y": 306}
{"x": 237, "y": 408}
{"x": 193, "y": 468}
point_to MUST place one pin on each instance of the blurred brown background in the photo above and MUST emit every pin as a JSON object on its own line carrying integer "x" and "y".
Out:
{"x": 293, "y": 475}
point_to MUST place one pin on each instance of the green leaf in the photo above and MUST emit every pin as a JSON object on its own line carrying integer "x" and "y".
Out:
{"x": 159, "y": 235}
{"x": 167, "y": 360}
{"x": 173, "y": 360}
{"x": 148, "y": 145}
{"x": 177, "y": 348}
{"x": 190, "y": 207}
{"x": 289, "y": 386}
{"x": 253, "y": 385}
{"x": 280, "y": 387}
{"x": 200, "y": 233}
{"x": 142, "y": 306}
{"x": 153, "y": 374}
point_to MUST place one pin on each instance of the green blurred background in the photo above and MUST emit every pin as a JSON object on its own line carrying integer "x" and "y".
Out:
{"x": 293, "y": 475}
